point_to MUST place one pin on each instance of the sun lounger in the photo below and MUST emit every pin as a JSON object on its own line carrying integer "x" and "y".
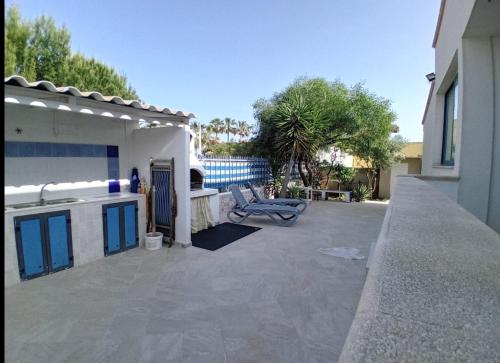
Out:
{"x": 282, "y": 215}
{"x": 300, "y": 204}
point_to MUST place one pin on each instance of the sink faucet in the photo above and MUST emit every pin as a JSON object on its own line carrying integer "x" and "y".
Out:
{"x": 42, "y": 201}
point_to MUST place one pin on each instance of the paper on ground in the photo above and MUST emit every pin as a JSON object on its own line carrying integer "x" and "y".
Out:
{"x": 344, "y": 252}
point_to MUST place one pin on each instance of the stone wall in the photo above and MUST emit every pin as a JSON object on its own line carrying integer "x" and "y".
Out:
{"x": 432, "y": 291}
{"x": 226, "y": 200}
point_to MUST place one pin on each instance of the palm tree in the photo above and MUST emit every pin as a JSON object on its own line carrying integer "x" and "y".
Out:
{"x": 243, "y": 129}
{"x": 293, "y": 117}
{"x": 229, "y": 126}
{"x": 195, "y": 127}
{"x": 217, "y": 126}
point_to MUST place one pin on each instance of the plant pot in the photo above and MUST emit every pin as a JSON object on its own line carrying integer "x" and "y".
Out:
{"x": 154, "y": 241}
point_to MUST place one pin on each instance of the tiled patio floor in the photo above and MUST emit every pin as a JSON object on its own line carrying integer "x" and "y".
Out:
{"x": 269, "y": 297}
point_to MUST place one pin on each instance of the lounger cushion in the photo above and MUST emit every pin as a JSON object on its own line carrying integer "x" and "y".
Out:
{"x": 271, "y": 208}
{"x": 281, "y": 201}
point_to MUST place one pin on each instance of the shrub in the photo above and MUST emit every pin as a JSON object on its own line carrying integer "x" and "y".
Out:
{"x": 344, "y": 173}
{"x": 296, "y": 192}
{"x": 273, "y": 187}
{"x": 360, "y": 192}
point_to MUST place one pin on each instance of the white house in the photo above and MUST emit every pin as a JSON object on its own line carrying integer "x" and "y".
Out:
{"x": 461, "y": 154}
{"x": 85, "y": 145}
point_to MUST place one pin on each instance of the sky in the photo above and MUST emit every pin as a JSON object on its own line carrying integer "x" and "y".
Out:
{"x": 216, "y": 58}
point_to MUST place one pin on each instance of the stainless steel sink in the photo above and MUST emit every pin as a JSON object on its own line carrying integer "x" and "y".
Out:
{"x": 23, "y": 205}
{"x": 63, "y": 200}
{"x": 47, "y": 202}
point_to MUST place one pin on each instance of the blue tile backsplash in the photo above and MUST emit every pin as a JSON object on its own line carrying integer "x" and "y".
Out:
{"x": 113, "y": 168}
{"x": 52, "y": 149}
{"x": 27, "y": 149}
{"x": 60, "y": 150}
{"x": 112, "y": 151}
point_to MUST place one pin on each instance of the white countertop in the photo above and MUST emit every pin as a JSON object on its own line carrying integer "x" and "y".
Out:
{"x": 203, "y": 192}
{"x": 111, "y": 197}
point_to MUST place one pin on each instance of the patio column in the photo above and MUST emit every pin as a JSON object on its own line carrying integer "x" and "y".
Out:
{"x": 182, "y": 187}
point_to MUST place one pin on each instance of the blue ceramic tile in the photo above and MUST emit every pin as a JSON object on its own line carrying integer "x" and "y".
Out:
{"x": 113, "y": 174}
{"x": 74, "y": 150}
{"x": 26, "y": 149}
{"x": 43, "y": 149}
{"x": 112, "y": 151}
{"x": 11, "y": 149}
{"x": 101, "y": 151}
{"x": 87, "y": 150}
{"x": 59, "y": 150}
{"x": 114, "y": 186}
{"x": 113, "y": 163}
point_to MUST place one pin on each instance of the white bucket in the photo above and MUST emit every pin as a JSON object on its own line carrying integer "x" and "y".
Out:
{"x": 154, "y": 241}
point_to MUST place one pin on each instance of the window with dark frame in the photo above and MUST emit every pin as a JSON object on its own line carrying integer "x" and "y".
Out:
{"x": 450, "y": 124}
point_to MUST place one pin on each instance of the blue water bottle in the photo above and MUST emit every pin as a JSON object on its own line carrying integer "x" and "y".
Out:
{"x": 134, "y": 181}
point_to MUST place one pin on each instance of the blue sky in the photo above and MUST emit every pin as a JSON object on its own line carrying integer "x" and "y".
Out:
{"x": 215, "y": 58}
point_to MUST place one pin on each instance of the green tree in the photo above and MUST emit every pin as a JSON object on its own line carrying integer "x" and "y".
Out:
{"x": 372, "y": 140}
{"x": 243, "y": 129}
{"x": 16, "y": 39}
{"x": 294, "y": 119}
{"x": 217, "y": 126}
{"x": 207, "y": 138}
{"x": 88, "y": 74}
{"x": 229, "y": 126}
{"x": 39, "y": 50}
{"x": 230, "y": 149}
{"x": 313, "y": 114}
{"x": 328, "y": 105}
{"x": 47, "y": 51}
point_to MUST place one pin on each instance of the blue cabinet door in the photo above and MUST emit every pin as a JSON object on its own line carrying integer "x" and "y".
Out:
{"x": 43, "y": 243}
{"x": 120, "y": 227}
{"x": 30, "y": 247}
{"x": 59, "y": 241}
{"x": 112, "y": 230}
{"x": 130, "y": 225}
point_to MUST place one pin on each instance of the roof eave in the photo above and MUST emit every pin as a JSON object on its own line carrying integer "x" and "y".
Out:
{"x": 438, "y": 24}
{"x": 46, "y": 86}
{"x": 429, "y": 97}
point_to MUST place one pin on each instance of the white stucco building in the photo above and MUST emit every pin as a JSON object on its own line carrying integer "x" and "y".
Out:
{"x": 84, "y": 146}
{"x": 461, "y": 154}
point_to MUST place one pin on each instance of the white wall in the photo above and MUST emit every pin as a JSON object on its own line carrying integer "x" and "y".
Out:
{"x": 340, "y": 157}
{"x": 477, "y": 126}
{"x": 468, "y": 45}
{"x": 42, "y": 125}
{"x": 448, "y": 63}
{"x": 428, "y": 145}
{"x": 136, "y": 146}
{"x": 166, "y": 143}
{"x": 453, "y": 24}
{"x": 494, "y": 207}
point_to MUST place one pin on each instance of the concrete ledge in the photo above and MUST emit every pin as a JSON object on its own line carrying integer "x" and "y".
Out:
{"x": 435, "y": 177}
{"x": 432, "y": 292}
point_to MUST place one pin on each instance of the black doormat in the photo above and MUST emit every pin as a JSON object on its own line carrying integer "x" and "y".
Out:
{"x": 221, "y": 235}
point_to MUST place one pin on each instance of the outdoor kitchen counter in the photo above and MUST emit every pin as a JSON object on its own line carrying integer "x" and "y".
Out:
{"x": 102, "y": 198}
{"x": 432, "y": 293}
{"x": 213, "y": 200}
{"x": 86, "y": 228}
{"x": 203, "y": 192}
